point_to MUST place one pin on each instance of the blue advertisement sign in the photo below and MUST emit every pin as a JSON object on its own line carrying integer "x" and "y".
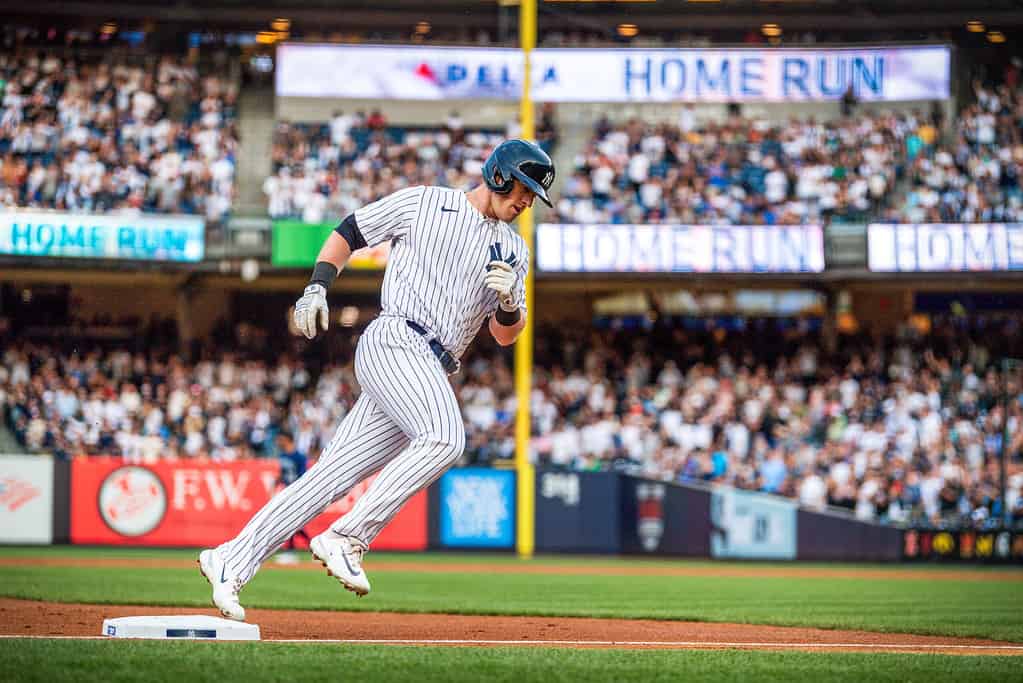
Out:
{"x": 750, "y": 525}
{"x": 477, "y": 508}
{"x": 66, "y": 235}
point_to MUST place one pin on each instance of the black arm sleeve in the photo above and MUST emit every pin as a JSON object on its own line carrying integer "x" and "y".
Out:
{"x": 349, "y": 229}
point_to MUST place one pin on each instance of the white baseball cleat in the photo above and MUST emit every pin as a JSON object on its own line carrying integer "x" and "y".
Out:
{"x": 225, "y": 586}
{"x": 342, "y": 556}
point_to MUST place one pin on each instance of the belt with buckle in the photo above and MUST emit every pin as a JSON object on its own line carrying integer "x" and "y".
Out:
{"x": 447, "y": 361}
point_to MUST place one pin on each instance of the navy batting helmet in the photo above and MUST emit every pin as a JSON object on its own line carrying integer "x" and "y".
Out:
{"x": 523, "y": 161}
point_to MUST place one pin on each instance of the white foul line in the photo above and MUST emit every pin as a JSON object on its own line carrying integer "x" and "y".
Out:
{"x": 693, "y": 644}
{"x": 650, "y": 643}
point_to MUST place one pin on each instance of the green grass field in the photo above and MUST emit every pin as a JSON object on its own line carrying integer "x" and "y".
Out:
{"x": 979, "y": 604}
{"x": 173, "y": 662}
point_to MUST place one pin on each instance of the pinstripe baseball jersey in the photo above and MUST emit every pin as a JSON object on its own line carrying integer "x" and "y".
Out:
{"x": 440, "y": 246}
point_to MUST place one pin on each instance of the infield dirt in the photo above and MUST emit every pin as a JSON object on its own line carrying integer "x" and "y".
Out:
{"x": 46, "y": 619}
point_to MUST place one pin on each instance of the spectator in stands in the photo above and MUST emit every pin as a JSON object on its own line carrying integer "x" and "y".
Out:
{"x": 376, "y": 121}
{"x": 547, "y": 128}
{"x": 340, "y": 127}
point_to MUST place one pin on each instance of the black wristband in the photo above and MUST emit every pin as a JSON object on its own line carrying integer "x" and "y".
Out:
{"x": 507, "y": 318}
{"x": 324, "y": 274}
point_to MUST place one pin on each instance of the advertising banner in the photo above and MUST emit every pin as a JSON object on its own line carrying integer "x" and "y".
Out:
{"x": 567, "y": 248}
{"x": 183, "y": 503}
{"x": 660, "y": 518}
{"x": 477, "y": 508}
{"x": 992, "y": 545}
{"x": 875, "y": 74}
{"x": 26, "y": 499}
{"x": 750, "y": 525}
{"x": 945, "y": 247}
{"x": 577, "y": 512}
{"x": 399, "y": 72}
{"x": 139, "y": 238}
{"x": 296, "y": 245}
{"x": 741, "y": 74}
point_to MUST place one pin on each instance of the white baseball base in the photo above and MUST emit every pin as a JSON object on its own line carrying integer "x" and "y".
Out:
{"x": 185, "y": 627}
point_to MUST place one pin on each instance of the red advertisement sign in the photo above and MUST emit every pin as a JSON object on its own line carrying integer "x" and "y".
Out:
{"x": 186, "y": 503}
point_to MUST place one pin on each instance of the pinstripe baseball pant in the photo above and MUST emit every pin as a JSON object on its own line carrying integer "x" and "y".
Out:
{"x": 406, "y": 424}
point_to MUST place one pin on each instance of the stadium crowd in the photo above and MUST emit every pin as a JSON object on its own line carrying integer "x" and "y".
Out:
{"x": 145, "y": 407}
{"x": 116, "y": 135}
{"x": 976, "y": 177}
{"x": 900, "y": 167}
{"x": 326, "y": 171}
{"x": 739, "y": 170}
{"x": 903, "y": 430}
{"x": 321, "y": 172}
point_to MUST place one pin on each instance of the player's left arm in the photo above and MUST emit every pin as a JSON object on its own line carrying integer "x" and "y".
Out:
{"x": 510, "y": 284}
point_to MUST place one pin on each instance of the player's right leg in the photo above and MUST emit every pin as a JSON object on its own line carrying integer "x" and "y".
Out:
{"x": 364, "y": 442}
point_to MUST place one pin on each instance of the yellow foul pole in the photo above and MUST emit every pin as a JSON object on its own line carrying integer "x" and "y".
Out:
{"x": 524, "y": 347}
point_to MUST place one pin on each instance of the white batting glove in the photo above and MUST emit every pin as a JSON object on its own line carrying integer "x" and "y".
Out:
{"x": 501, "y": 278}
{"x": 312, "y": 307}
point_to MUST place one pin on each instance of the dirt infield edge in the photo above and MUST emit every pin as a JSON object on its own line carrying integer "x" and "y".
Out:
{"x": 31, "y": 618}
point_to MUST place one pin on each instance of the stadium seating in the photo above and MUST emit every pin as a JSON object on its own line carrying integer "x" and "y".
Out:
{"x": 325, "y": 171}
{"x": 116, "y": 134}
{"x": 974, "y": 175}
{"x": 320, "y": 171}
{"x": 737, "y": 171}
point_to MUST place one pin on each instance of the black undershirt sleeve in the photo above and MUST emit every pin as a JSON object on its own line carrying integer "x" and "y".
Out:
{"x": 349, "y": 229}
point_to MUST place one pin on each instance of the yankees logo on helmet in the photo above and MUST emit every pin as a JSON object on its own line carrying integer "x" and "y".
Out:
{"x": 523, "y": 161}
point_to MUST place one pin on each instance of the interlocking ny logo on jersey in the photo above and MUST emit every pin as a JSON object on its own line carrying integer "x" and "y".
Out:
{"x": 495, "y": 255}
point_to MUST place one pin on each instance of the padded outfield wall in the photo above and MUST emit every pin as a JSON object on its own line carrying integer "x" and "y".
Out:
{"x": 106, "y": 501}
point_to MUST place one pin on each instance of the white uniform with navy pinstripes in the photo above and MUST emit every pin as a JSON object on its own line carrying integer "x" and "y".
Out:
{"x": 406, "y": 423}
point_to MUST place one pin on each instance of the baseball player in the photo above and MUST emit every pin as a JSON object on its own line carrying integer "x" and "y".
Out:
{"x": 454, "y": 263}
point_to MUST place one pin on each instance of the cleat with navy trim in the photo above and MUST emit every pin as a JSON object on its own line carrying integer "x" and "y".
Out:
{"x": 225, "y": 586}
{"x": 342, "y": 556}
